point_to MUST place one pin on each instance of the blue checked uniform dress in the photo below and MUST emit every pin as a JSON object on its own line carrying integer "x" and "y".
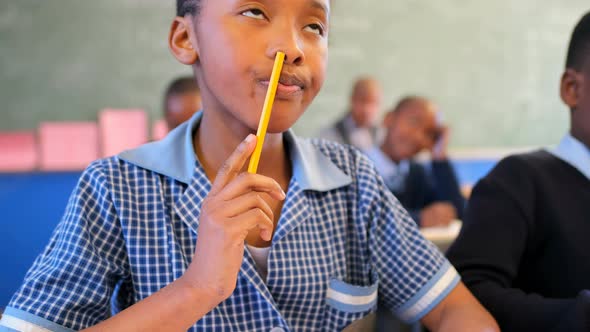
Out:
{"x": 342, "y": 244}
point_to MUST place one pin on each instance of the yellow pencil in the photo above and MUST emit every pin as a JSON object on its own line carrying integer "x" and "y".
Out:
{"x": 266, "y": 110}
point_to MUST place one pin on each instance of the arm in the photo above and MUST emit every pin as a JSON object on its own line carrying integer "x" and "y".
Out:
{"x": 444, "y": 180}
{"x": 499, "y": 228}
{"x": 416, "y": 281}
{"x": 174, "y": 308}
{"x": 446, "y": 185}
{"x": 70, "y": 285}
{"x": 459, "y": 311}
{"x": 71, "y": 282}
{"x": 436, "y": 211}
{"x": 231, "y": 210}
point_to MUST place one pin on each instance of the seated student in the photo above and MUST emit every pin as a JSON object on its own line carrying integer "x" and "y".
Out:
{"x": 524, "y": 249}
{"x": 357, "y": 127}
{"x": 432, "y": 197}
{"x": 180, "y": 237}
{"x": 181, "y": 100}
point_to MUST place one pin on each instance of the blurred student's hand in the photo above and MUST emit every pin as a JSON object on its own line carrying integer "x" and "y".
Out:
{"x": 231, "y": 210}
{"x": 439, "y": 150}
{"x": 437, "y": 215}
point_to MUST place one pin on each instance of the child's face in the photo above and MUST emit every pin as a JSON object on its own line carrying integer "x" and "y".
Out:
{"x": 411, "y": 130}
{"x": 236, "y": 42}
{"x": 575, "y": 92}
{"x": 365, "y": 106}
{"x": 581, "y": 120}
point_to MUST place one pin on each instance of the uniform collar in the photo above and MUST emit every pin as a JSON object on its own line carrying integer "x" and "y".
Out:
{"x": 174, "y": 157}
{"x": 574, "y": 153}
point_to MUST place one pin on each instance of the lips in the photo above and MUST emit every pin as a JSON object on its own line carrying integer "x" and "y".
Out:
{"x": 288, "y": 85}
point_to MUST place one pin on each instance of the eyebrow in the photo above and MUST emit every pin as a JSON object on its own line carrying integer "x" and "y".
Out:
{"x": 321, "y": 6}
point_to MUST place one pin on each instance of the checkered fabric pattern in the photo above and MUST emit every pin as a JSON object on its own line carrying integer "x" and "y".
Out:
{"x": 128, "y": 232}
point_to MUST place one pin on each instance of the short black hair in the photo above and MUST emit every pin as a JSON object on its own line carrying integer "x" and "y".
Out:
{"x": 181, "y": 86}
{"x": 184, "y": 7}
{"x": 404, "y": 101}
{"x": 579, "y": 48}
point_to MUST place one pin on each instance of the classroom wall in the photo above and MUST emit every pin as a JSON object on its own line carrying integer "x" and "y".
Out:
{"x": 493, "y": 66}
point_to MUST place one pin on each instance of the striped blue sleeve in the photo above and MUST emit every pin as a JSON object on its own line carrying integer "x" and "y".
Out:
{"x": 71, "y": 283}
{"x": 414, "y": 276}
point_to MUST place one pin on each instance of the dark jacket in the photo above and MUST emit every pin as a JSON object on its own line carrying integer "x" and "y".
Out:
{"x": 524, "y": 249}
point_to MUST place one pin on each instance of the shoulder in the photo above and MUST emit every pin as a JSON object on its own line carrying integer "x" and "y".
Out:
{"x": 517, "y": 176}
{"x": 347, "y": 158}
{"x": 114, "y": 174}
{"x": 523, "y": 165}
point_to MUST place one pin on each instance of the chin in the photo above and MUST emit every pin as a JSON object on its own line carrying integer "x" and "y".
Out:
{"x": 281, "y": 127}
{"x": 282, "y": 119}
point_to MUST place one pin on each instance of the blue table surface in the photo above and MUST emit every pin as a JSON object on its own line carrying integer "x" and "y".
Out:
{"x": 31, "y": 205}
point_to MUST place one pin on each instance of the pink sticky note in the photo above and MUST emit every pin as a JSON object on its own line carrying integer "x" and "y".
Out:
{"x": 18, "y": 151}
{"x": 66, "y": 146}
{"x": 121, "y": 130}
{"x": 159, "y": 130}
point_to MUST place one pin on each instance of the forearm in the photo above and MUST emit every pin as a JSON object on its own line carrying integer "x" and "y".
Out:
{"x": 447, "y": 185}
{"x": 460, "y": 311}
{"x": 174, "y": 308}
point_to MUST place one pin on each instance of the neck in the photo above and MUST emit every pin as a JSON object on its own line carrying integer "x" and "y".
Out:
{"x": 219, "y": 135}
{"x": 581, "y": 136}
{"x": 580, "y": 125}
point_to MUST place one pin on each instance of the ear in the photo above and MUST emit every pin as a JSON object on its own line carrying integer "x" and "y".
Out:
{"x": 571, "y": 88}
{"x": 182, "y": 40}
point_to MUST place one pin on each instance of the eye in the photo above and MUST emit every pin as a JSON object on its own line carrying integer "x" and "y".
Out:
{"x": 254, "y": 13}
{"x": 315, "y": 28}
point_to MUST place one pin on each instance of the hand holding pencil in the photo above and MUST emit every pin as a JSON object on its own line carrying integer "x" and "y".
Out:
{"x": 234, "y": 207}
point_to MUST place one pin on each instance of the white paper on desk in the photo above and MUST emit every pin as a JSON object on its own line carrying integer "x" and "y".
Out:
{"x": 445, "y": 234}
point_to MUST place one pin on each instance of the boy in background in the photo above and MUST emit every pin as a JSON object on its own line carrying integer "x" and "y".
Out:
{"x": 357, "y": 127}
{"x": 432, "y": 196}
{"x": 181, "y": 100}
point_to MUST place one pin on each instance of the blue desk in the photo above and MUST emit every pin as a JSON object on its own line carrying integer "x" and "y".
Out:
{"x": 32, "y": 204}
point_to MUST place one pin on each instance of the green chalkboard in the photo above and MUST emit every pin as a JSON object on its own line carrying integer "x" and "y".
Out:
{"x": 493, "y": 66}
{"x": 67, "y": 59}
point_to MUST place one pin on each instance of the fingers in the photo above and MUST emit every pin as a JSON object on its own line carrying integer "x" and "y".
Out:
{"x": 252, "y": 219}
{"x": 247, "y": 182}
{"x": 248, "y": 202}
{"x": 234, "y": 164}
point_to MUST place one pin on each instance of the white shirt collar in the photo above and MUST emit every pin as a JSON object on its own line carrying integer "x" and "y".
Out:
{"x": 385, "y": 166}
{"x": 574, "y": 153}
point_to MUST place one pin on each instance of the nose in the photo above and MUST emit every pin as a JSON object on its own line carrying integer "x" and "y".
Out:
{"x": 286, "y": 39}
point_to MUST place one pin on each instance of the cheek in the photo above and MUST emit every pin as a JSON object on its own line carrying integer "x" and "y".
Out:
{"x": 318, "y": 63}
{"x": 223, "y": 55}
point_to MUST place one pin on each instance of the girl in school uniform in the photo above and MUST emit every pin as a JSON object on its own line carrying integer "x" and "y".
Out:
{"x": 175, "y": 235}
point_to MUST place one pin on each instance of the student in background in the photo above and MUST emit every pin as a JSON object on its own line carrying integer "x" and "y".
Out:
{"x": 181, "y": 100}
{"x": 179, "y": 236}
{"x": 357, "y": 127}
{"x": 432, "y": 196}
{"x": 524, "y": 249}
